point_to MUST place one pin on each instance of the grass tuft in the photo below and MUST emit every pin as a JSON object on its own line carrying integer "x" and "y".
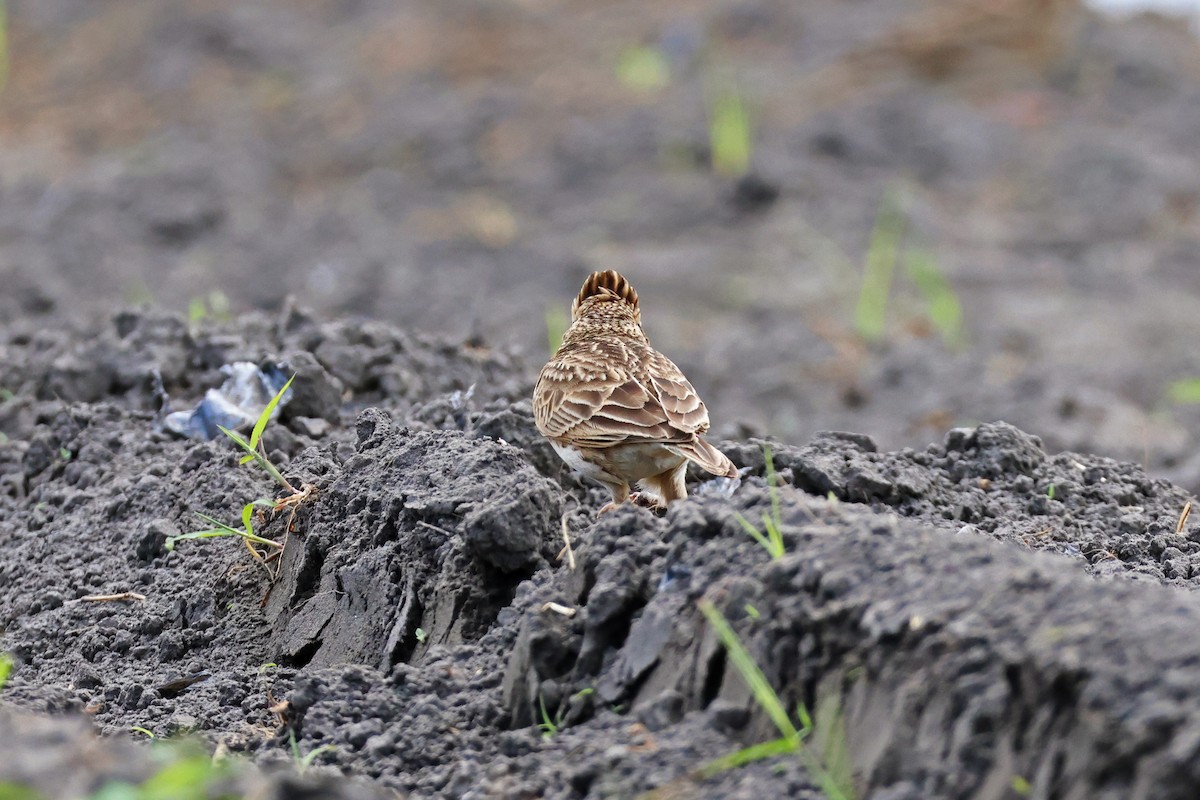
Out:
{"x": 548, "y": 726}
{"x": 292, "y": 502}
{"x": 885, "y": 250}
{"x": 770, "y": 538}
{"x": 551, "y": 726}
{"x": 827, "y": 758}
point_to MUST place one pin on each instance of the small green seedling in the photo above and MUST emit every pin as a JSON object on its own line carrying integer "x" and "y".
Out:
{"x": 870, "y": 315}
{"x": 213, "y": 305}
{"x": 643, "y": 69}
{"x": 149, "y": 734}
{"x": 941, "y": 301}
{"x": 253, "y": 448}
{"x": 549, "y": 727}
{"x": 729, "y": 132}
{"x": 1050, "y": 492}
{"x": 6, "y": 668}
{"x": 220, "y": 529}
{"x": 303, "y": 762}
{"x": 294, "y": 499}
{"x": 829, "y": 765}
{"x": 887, "y": 249}
{"x": 771, "y": 537}
{"x": 421, "y": 635}
{"x": 1184, "y": 392}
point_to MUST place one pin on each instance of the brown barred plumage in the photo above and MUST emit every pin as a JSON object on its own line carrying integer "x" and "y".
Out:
{"x": 614, "y": 408}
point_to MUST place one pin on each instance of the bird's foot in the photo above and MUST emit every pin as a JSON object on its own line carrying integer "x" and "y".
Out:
{"x": 650, "y": 501}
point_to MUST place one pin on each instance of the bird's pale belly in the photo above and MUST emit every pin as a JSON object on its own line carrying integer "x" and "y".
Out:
{"x": 626, "y": 463}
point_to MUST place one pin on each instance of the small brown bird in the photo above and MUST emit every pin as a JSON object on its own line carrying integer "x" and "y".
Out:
{"x": 617, "y": 410}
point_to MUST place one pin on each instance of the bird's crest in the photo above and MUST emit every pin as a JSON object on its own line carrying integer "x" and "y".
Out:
{"x": 609, "y": 283}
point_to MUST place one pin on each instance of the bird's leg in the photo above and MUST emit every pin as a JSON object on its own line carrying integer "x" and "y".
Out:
{"x": 620, "y": 491}
{"x": 648, "y": 500}
{"x": 662, "y": 489}
{"x": 672, "y": 484}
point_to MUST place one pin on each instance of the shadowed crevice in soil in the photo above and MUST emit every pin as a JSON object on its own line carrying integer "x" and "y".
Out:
{"x": 417, "y": 531}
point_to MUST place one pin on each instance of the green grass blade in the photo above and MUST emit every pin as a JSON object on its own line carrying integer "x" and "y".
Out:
{"x": 941, "y": 302}
{"x": 837, "y": 772}
{"x": 239, "y": 440}
{"x": 221, "y": 529}
{"x": 4, "y": 58}
{"x": 259, "y": 458}
{"x": 806, "y": 723}
{"x": 248, "y": 518}
{"x": 265, "y": 416}
{"x": 218, "y": 525}
{"x": 6, "y": 668}
{"x": 729, "y": 133}
{"x": 211, "y": 533}
{"x": 643, "y": 69}
{"x": 748, "y": 755}
{"x": 772, "y": 485}
{"x": 754, "y": 532}
{"x": 750, "y": 672}
{"x": 837, "y": 786}
{"x": 1184, "y": 392}
{"x": 774, "y": 537}
{"x": 870, "y": 316}
{"x": 547, "y": 725}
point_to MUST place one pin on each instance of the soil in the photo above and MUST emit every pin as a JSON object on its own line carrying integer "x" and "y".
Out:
{"x": 408, "y": 624}
{"x": 1005, "y": 612}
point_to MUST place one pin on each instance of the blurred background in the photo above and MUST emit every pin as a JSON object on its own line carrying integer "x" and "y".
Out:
{"x": 891, "y": 217}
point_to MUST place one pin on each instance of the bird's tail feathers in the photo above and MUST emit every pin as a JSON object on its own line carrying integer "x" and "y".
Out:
{"x": 709, "y": 457}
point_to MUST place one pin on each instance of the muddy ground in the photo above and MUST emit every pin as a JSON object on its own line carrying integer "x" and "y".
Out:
{"x": 407, "y": 625}
{"x": 986, "y": 616}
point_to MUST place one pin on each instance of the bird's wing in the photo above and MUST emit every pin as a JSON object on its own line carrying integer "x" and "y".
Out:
{"x": 600, "y": 399}
{"x": 684, "y": 409}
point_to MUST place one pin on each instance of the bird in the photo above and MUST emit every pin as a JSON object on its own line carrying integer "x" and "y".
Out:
{"x": 615, "y": 409}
